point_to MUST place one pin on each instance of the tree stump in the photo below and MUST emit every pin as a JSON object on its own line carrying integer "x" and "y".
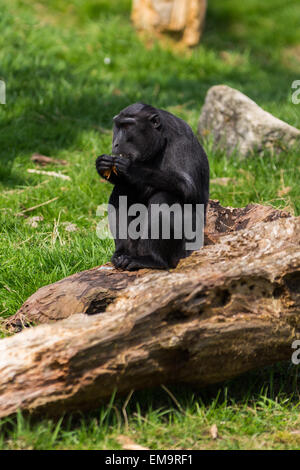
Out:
{"x": 184, "y": 19}
{"x": 228, "y": 308}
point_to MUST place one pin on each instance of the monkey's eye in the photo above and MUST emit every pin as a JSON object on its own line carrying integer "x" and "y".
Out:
{"x": 127, "y": 125}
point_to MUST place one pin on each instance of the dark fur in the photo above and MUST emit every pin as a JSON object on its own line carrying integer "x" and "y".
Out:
{"x": 163, "y": 163}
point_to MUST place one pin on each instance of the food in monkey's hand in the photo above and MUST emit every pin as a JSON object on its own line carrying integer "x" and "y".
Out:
{"x": 107, "y": 173}
{"x": 113, "y": 169}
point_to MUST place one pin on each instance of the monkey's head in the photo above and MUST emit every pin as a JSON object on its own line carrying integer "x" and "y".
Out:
{"x": 137, "y": 132}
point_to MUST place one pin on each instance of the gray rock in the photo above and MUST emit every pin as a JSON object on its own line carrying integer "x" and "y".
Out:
{"x": 237, "y": 122}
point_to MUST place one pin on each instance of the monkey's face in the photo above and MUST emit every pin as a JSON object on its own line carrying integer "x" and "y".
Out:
{"x": 136, "y": 136}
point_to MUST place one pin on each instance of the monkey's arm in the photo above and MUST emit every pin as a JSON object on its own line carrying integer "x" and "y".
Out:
{"x": 170, "y": 181}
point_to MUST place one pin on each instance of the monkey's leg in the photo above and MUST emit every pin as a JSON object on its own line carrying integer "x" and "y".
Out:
{"x": 119, "y": 216}
{"x": 159, "y": 249}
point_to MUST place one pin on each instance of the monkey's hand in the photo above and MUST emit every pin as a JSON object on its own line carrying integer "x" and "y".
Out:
{"x": 105, "y": 165}
{"x": 122, "y": 165}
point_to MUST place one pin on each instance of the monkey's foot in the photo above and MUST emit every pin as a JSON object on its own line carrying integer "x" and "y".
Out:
{"x": 120, "y": 260}
{"x": 129, "y": 263}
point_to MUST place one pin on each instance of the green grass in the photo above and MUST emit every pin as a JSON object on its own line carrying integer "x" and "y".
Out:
{"x": 257, "y": 411}
{"x": 61, "y": 97}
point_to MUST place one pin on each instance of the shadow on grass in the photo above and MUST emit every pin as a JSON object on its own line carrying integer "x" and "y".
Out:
{"x": 273, "y": 382}
{"x": 277, "y": 384}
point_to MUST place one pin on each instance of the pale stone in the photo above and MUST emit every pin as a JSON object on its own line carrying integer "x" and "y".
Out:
{"x": 236, "y": 122}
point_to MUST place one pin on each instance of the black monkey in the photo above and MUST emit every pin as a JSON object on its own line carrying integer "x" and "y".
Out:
{"x": 155, "y": 159}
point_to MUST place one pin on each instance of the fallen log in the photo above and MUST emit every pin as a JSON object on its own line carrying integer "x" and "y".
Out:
{"x": 92, "y": 291}
{"x": 228, "y": 308}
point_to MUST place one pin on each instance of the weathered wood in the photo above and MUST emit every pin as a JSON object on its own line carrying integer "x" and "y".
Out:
{"x": 93, "y": 290}
{"x": 228, "y": 308}
{"x": 183, "y": 17}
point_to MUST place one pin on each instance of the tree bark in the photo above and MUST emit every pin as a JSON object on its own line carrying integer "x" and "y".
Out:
{"x": 185, "y": 18}
{"x": 93, "y": 290}
{"x": 228, "y": 308}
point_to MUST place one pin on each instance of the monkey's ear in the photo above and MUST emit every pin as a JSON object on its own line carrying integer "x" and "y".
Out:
{"x": 155, "y": 119}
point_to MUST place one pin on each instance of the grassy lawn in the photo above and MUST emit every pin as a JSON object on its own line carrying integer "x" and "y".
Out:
{"x": 61, "y": 95}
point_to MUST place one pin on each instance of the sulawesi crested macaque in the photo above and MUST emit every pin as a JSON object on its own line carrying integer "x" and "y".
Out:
{"x": 156, "y": 159}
